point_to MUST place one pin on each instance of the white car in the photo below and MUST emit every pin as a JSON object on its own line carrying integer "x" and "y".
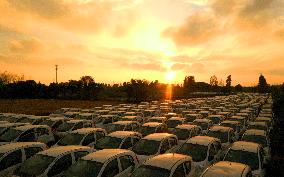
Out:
{"x": 216, "y": 119}
{"x": 122, "y": 126}
{"x": 118, "y": 140}
{"x": 260, "y": 137}
{"x": 186, "y": 131}
{"x": 205, "y": 124}
{"x": 175, "y": 121}
{"x": 157, "y": 119}
{"x": 204, "y": 151}
{"x": 236, "y": 125}
{"x": 53, "y": 161}
{"x": 104, "y": 163}
{"x": 248, "y": 153}
{"x": 152, "y": 127}
{"x": 225, "y": 134}
{"x": 102, "y": 120}
{"x": 154, "y": 144}
{"x": 166, "y": 165}
{"x": 82, "y": 136}
{"x": 227, "y": 169}
{"x": 13, "y": 154}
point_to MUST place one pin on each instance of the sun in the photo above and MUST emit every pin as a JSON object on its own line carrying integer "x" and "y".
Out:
{"x": 170, "y": 76}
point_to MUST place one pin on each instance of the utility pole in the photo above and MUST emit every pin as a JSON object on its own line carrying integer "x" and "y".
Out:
{"x": 56, "y": 68}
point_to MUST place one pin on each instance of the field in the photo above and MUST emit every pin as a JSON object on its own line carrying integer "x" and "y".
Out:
{"x": 45, "y": 107}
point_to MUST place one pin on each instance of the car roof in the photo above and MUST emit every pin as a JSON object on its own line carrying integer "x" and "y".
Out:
{"x": 13, "y": 146}
{"x": 220, "y": 128}
{"x": 255, "y": 132}
{"x": 29, "y": 126}
{"x": 123, "y": 134}
{"x": 258, "y": 123}
{"x": 124, "y": 122}
{"x": 105, "y": 154}
{"x": 60, "y": 150}
{"x": 177, "y": 118}
{"x": 152, "y": 124}
{"x": 202, "y": 140}
{"x": 158, "y": 136}
{"x": 87, "y": 130}
{"x": 230, "y": 122}
{"x": 225, "y": 169}
{"x": 186, "y": 126}
{"x": 245, "y": 146}
{"x": 167, "y": 161}
{"x": 75, "y": 120}
{"x": 202, "y": 120}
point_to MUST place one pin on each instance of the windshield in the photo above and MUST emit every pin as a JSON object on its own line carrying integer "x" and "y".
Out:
{"x": 35, "y": 165}
{"x": 47, "y": 122}
{"x": 145, "y": 130}
{"x": 256, "y": 139}
{"x": 25, "y": 120}
{"x": 108, "y": 142}
{"x": 258, "y": 127}
{"x": 98, "y": 120}
{"x": 71, "y": 139}
{"x": 84, "y": 168}
{"x": 173, "y": 123}
{"x": 150, "y": 171}
{"x": 114, "y": 127}
{"x": 222, "y": 136}
{"x": 10, "y": 135}
{"x": 245, "y": 157}
{"x": 233, "y": 126}
{"x": 203, "y": 125}
{"x": 182, "y": 134}
{"x": 215, "y": 120}
{"x": 146, "y": 147}
{"x": 196, "y": 151}
{"x": 65, "y": 127}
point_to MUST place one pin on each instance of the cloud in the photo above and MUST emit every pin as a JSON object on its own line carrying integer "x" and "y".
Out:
{"x": 146, "y": 66}
{"x": 197, "y": 29}
{"x": 26, "y": 46}
{"x": 189, "y": 68}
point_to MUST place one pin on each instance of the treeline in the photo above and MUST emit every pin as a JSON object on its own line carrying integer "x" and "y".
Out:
{"x": 136, "y": 90}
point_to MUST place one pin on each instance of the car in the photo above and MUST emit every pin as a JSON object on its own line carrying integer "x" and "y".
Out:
{"x": 7, "y": 126}
{"x": 268, "y": 121}
{"x": 227, "y": 169}
{"x": 191, "y": 117}
{"x": 26, "y": 133}
{"x": 104, "y": 163}
{"x": 83, "y": 136}
{"x": 154, "y": 144}
{"x": 71, "y": 125}
{"x": 53, "y": 122}
{"x": 166, "y": 165}
{"x": 260, "y": 137}
{"x": 35, "y": 120}
{"x": 102, "y": 120}
{"x": 216, "y": 119}
{"x": 170, "y": 115}
{"x": 52, "y": 162}
{"x": 133, "y": 118}
{"x": 204, "y": 151}
{"x": 175, "y": 121}
{"x": 186, "y": 131}
{"x": 241, "y": 119}
{"x": 152, "y": 127}
{"x": 122, "y": 126}
{"x": 157, "y": 119}
{"x": 225, "y": 134}
{"x": 204, "y": 114}
{"x": 13, "y": 154}
{"x": 236, "y": 125}
{"x": 258, "y": 125}
{"x": 205, "y": 124}
{"x": 248, "y": 153}
{"x": 118, "y": 140}
{"x": 4, "y": 122}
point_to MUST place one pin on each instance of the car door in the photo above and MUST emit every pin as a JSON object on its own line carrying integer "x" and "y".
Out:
{"x": 111, "y": 169}
{"x": 165, "y": 146}
{"x": 30, "y": 151}
{"x": 61, "y": 164}
{"x": 179, "y": 171}
{"x": 127, "y": 165}
{"x": 127, "y": 143}
{"x": 89, "y": 140}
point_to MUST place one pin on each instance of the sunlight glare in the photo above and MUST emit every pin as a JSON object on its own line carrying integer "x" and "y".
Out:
{"x": 170, "y": 76}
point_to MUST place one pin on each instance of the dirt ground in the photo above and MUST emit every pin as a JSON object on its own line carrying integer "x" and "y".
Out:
{"x": 45, "y": 107}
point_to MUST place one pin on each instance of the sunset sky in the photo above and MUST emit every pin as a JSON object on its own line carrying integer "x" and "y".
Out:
{"x": 116, "y": 40}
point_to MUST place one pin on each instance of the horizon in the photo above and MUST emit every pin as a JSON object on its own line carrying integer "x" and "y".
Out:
{"x": 165, "y": 40}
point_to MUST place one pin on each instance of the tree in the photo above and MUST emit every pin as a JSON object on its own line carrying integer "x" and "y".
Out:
{"x": 262, "y": 84}
{"x": 213, "y": 80}
{"x": 228, "y": 84}
{"x": 189, "y": 85}
{"x": 239, "y": 88}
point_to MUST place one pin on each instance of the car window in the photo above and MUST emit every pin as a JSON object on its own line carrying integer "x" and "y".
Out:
{"x": 11, "y": 159}
{"x": 78, "y": 125}
{"x": 56, "y": 124}
{"x": 26, "y": 137}
{"x": 80, "y": 154}
{"x": 60, "y": 165}
{"x": 128, "y": 127}
{"x": 187, "y": 167}
{"x": 126, "y": 161}
{"x": 173, "y": 142}
{"x": 99, "y": 135}
{"x": 164, "y": 147}
{"x": 42, "y": 131}
{"x": 135, "y": 140}
{"x": 88, "y": 139}
{"x": 217, "y": 147}
{"x": 127, "y": 143}
{"x": 111, "y": 169}
{"x": 212, "y": 152}
{"x": 30, "y": 151}
{"x": 179, "y": 171}
{"x": 159, "y": 129}
{"x": 134, "y": 126}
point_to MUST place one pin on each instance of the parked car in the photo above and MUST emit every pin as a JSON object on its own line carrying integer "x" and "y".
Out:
{"x": 236, "y": 125}
{"x": 13, "y": 154}
{"x": 157, "y": 119}
{"x": 186, "y": 131}
{"x": 216, "y": 119}
{"x": 175, "y": 121}
{"x": 5, "y": 127}
{"x": 259, "y": 126}
{"x": 82, "y": 136}
{"x": 205, "y": 124}
{"x": 52, "y": 162}
{"x": 102, "y": 120}
{"x": 248, "y": 153}
{"x": 227, "y": 169}
{"x": 26, "y": 133}
{"x": 166, "y": 165}
{"x": 118, "y": 140}
{"x": 152, "y": 127}
{"x": 122, "y": 126}
{"x": 104, "y": 163}
{"x": 53, "y": 122}
{"x": 154, "y": 144}
{"x": 225, "y": 134}
{"x": 204, "y": 151}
